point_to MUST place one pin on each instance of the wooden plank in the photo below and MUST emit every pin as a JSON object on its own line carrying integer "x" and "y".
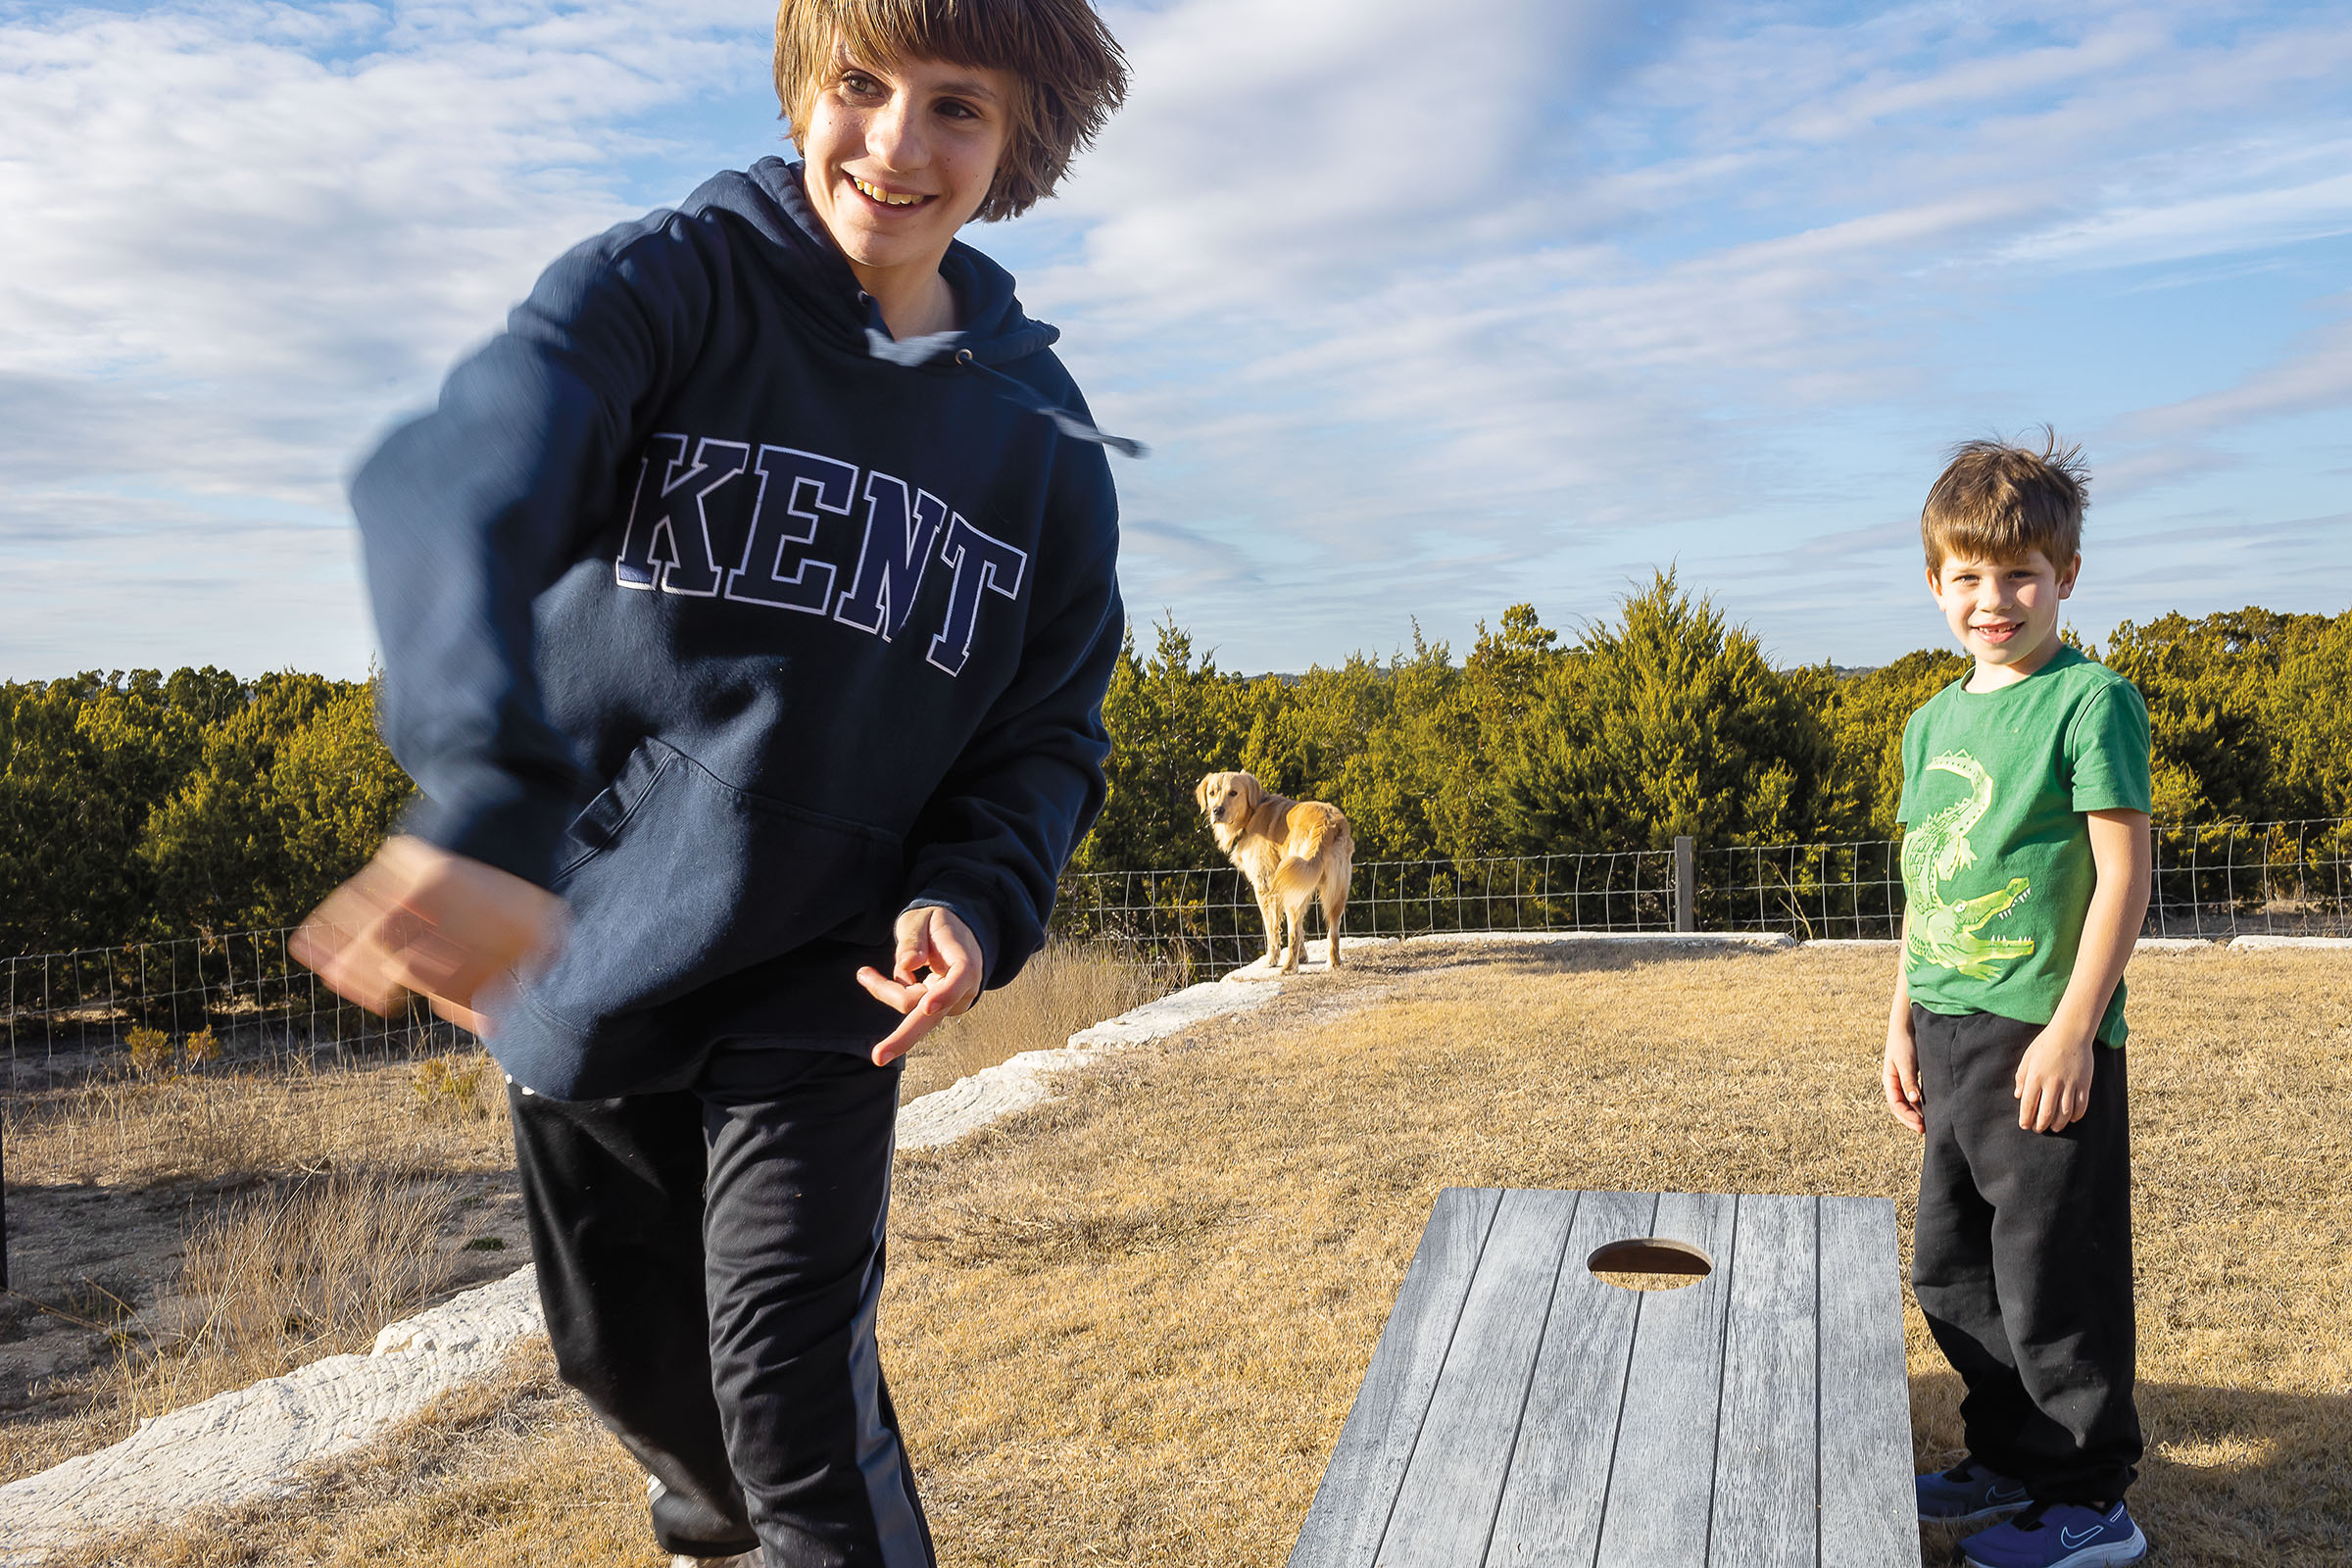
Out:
{"x": 1662, "y": 1473}
{"x": 1869, "y": 1508}
{"x": 1767, "y": 1444}
{"x": 1352, "y": 1508}
{"x": 1445, "y": 1504}
{"x": 1551, "y": 1503}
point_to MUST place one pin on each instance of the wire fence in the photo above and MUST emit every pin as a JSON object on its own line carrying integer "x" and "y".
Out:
{"x": 1846, "y": 890}
{"x": 240, "y": 1002}
{"x": 2211, "y": 880}
{"x": 204, "y": 1014}
{"x": 1205, "y": 919}
{"x": 218, "y": 1057}
{"x": 191, "y": 1007}
{"x": 2232, "y": 879}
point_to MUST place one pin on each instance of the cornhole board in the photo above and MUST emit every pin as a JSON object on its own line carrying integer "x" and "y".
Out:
{"x": 1520, "y": 1409}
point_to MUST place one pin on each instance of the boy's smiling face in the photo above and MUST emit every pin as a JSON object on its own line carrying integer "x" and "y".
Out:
{"x": 2004, "y": 612}
{"x": 901, "y": 154}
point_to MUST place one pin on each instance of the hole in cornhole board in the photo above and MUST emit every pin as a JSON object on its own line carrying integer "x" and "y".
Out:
{"x": 1649, "y": 1263}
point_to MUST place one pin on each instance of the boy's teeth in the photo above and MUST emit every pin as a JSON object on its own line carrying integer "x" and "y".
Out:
{"x": 883, "y": 196}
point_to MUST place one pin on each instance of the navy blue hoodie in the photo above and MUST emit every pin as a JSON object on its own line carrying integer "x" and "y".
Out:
{"x": 742, "y": 636}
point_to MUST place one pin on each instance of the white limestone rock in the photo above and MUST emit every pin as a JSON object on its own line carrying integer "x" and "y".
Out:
{"x": 1770, "y": 940}
{"x": 249, "y": 1443}
{"x": 970, "y": 1104}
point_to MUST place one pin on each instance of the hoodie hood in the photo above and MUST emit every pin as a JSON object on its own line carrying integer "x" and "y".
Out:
{"x": 769, "y": 199}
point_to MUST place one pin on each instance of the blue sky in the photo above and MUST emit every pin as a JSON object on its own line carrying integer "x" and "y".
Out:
{"x": 1424, "y": 310}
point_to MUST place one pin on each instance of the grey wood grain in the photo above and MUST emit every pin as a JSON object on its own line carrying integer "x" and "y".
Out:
{"x": 1519, "y": 1411}
{"x": 1767, "y": 1444}
{"x": 1868, "y": 1505}
{"x": 1445, "y": 1505}
{"x": 1551, "y": 1503}
{"x": 1662, "y": 1473}
{"x": 1352, "y": 1508}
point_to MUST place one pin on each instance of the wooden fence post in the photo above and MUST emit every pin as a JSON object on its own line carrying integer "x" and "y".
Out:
{"x": 1686, "y": 899}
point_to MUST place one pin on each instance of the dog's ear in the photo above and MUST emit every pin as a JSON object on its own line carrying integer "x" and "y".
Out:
{"x": 1253, "y": 792}
{"x": 1201, "y": 790}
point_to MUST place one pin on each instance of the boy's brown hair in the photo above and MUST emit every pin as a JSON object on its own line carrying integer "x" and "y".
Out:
{"x": 1070, "y": 70}
{"x": 1997, "y": 500}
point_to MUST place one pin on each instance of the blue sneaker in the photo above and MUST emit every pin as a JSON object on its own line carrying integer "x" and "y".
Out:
{"x": 1968, "y": 1494}
{"x": 2058, "y": 1535}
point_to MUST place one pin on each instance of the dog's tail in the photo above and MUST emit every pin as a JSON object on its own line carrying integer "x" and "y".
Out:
{"x": 1322, "y": 839}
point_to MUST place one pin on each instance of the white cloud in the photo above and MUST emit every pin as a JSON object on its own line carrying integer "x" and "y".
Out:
{"x": 2177, "y": 224}
{"x": 245, "y": 234}
{"x": 1340, "y": 270}
{"x": 1423, "y": 311}
{"x": 2169, "y": 443}
{"x": 2315, "y": 380}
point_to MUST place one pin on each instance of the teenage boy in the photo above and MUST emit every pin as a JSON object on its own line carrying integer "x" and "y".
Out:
{"x": 2026, "y": 868}
{"x": 747, "y": 608}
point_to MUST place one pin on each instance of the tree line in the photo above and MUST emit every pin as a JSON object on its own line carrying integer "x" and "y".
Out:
{"x": 1669, "y": 719}
{"x": 139, "y": 805}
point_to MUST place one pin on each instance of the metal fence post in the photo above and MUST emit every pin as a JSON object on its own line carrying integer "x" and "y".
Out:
{"x": 1686, "y": 901}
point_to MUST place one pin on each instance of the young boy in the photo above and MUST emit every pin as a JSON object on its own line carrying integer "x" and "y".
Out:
{"x": 747, "y": 608}
{"x": 2026, "y": 864}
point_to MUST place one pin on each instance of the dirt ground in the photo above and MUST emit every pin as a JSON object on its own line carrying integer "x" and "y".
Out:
{"x": 1126, "y": 1326}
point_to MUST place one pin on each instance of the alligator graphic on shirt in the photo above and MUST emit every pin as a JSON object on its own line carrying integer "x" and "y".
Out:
{"x": 1944, "y": 932}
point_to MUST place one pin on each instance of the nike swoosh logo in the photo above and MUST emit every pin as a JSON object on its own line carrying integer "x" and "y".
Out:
{"x": 1996, "y": 1495}
{"x": 2069, "y": 1541}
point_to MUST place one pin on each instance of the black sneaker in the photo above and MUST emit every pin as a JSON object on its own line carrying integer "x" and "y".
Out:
{"x": 1968, "y": 1494}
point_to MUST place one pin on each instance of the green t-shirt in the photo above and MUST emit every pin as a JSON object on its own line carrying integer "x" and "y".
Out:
{"x": 1997, "y": 860}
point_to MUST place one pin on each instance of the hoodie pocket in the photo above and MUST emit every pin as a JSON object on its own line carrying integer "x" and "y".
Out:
{"x": 676, "y": 878}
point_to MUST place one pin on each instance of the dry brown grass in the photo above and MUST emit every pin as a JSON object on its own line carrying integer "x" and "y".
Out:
{"x": 336, "y": 1241}
{"x": 443, "y": 1113}
{"x": 312, "y": 1203}
{"x": 450, "y": 1112}
{"x": 287, "y": 1275}
{"x": 514, "y": 1467}
{"x": 1062, "y": 990}
{"x": 1125, "y": 1327}
{"x": 271, "y": 1279}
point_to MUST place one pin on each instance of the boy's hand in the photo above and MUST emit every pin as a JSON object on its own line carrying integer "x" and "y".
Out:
{"x": 1900, "y": 1075}
{"x": 929, "y": 939}
{"x": 2053, "y": 1081}
{"x": 418, "y": 919}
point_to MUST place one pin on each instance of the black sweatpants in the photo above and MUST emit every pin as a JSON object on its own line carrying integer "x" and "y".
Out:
{"x": 711, "y": 1261}
{"x": 2022, "y": 1261}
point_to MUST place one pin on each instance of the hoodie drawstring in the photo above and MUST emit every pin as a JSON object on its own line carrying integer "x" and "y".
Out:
{"x": 917, "y": 351}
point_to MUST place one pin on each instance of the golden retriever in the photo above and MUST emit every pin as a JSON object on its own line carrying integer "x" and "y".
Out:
{"x": 1293, "y": 851}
